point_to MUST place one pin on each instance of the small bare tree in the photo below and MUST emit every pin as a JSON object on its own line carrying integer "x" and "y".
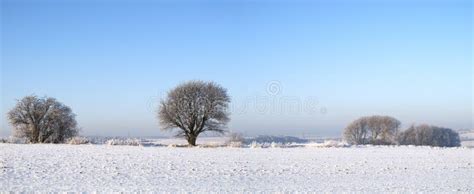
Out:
{"x": 42, "y": 120}
{"x": 195, "y": 107}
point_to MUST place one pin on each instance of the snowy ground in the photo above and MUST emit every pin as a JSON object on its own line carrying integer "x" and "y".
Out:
{"x": 44, "y": 168}
{"x": 467, "y": 138}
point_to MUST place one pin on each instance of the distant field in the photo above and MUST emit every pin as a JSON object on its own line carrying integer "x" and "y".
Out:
{"x": 57, "y": 168}
{"x": 467, "y": 138}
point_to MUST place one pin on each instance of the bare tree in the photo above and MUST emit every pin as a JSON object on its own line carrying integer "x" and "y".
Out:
{"x": 357, "y": 131}
{"x": 429, "y": 135}
{"x": 373, "y": 129}
{"x": 383, "y": 129}
{"x": 42, "y": 120}
{"x": 195, "y": 107}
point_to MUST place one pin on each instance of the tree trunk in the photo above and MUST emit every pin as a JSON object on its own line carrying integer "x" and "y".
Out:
{"x": 192, "y": 140}
{"x": 35, "y": 134}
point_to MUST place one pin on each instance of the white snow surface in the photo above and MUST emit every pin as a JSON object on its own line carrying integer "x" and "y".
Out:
{"x": 102, "y": 168}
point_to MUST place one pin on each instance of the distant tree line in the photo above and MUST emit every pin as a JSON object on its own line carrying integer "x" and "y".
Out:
{"x": 196, "y": 107}
{"x": 429, "y": 135}
{"x": 384, "y": 130}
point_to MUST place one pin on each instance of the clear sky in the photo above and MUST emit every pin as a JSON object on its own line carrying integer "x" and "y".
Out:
{"x": 291, "y": 67}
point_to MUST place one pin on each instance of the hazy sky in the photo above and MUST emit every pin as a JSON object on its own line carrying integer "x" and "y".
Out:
{"x": 291, "y": 67}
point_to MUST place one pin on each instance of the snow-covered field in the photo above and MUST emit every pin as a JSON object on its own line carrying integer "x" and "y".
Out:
{"x": 47, "y": 167}
{"x": 467, "y": 138}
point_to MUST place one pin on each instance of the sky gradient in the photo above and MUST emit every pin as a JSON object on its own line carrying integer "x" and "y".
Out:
{"x": 291, "y": 67}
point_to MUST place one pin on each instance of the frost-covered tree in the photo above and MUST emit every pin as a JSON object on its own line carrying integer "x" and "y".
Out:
{"x": 235, "y": 137}
{"x": 429, "y": 135}
{"x": 195, "y": 107}
{"x": 42, "y": 120}
{"x": 373, "y": 129}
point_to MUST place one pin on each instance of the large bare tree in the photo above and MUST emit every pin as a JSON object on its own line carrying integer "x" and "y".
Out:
{"x": 195, "y": 107}
{"x": 42, "y": 120}
{"x": 373, "y": 129}
{"x": 357, "y": 131}
{"x": 383, "y": 129}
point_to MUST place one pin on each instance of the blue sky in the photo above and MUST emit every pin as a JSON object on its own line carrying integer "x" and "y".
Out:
{"x": 331, "y": 61}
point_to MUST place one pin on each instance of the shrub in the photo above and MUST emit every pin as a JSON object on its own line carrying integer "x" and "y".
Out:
{"x": 234, "y": 144}
{"x": 328, "y": 144}
{"x": 254, "y": 144}
{"x": 262, "y": 139}
{"x": 78, "y": 140}
{"x": 275, "y": 145}
{"x": 130, "y": 142}
{"x": 209, "y": 145}
{"x": 14, "y": 140}
{"x": 234, "y": 140}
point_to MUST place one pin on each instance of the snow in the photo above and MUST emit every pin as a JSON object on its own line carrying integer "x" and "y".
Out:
{"x": 102, "y": 168}
{"x": 467, "y": 138}
{"x": 182, "y": 141}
